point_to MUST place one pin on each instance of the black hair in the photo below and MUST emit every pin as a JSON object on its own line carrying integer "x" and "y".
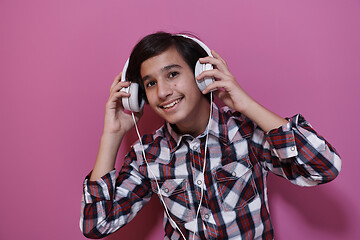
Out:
{"x": 155, "y": 44}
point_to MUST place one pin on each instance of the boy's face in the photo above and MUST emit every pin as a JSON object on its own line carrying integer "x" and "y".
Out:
{"x": 172, "y": 91}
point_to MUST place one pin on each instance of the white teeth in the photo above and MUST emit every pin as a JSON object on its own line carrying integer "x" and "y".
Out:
{"x": 171, "y": 104}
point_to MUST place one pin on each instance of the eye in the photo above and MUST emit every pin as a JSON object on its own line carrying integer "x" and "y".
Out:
{"x": 150, "y": 84}
{"x": 173, "y": 74}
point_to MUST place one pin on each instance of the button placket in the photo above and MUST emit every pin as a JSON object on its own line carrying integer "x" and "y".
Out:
{"x": 199, "y": 180}
{"x": 206, "y": 214}
{"x": 195, "y": 144}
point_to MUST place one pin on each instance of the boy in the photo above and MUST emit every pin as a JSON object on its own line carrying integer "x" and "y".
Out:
{"x": 207, "y": 165}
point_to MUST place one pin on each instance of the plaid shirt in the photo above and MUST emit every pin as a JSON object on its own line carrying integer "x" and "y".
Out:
{"x": 239, "y": 157}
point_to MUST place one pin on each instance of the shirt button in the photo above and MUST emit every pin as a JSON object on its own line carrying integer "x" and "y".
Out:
{"x": 199, "y": 182}
{"x": 206, "y": 216}
{"x": 233, "y": 174}
{"x": 196, "y": 147}
{"x": 292, "y": 148}
{"x": 166, "y": 190}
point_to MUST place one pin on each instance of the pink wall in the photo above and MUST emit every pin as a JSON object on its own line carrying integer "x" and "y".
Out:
{"x": 58, "y": 59}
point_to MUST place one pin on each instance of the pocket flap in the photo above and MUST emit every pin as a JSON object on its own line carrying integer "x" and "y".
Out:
{"x": 233, "y": 170}
{"x": 170, "y": 186}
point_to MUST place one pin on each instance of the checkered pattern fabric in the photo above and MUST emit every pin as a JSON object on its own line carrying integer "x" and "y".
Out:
{"x": 239, "y": 157}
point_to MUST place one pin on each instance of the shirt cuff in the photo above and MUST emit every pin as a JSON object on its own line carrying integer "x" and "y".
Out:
{"x": 101, "y": 189}
{"x": 282, "y": 139}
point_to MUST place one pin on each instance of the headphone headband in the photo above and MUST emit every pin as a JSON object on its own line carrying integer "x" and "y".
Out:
{"x": 206, "y": 48}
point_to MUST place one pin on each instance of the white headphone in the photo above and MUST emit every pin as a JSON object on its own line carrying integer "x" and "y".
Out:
{"x": 135, "y": 104}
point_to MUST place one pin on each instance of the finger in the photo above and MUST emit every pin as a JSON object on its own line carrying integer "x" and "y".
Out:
{"x": 115, "y": 100}
{"x": 115, "y": 96}
{"x": 116, "y": 81}
{"x": 119, "y": 86}
{"x": 211, "y": 73}
{"x": 210, "y": 59}
{"x": 209, "y": 88}
{"x": 218, "y": 63}
{"x": 217, "y": 56}
{"x": 216, "y": 87}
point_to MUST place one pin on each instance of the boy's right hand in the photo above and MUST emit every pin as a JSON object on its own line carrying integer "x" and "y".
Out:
{"x": 117, "y": 121}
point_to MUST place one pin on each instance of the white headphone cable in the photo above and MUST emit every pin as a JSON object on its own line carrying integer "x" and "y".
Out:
{"x": 203, "y": 170}
{"x": 204, "y": 166}
{"x": 157, "y": 184}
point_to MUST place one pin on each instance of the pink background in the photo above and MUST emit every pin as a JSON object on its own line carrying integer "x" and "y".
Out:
{"x": 58, "y": 59}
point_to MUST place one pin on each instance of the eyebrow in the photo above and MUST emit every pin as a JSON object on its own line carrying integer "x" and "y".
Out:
{"x": 166, "y": 68}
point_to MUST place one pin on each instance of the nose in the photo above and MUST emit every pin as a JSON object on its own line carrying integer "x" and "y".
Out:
{"x": 164, "y": 89}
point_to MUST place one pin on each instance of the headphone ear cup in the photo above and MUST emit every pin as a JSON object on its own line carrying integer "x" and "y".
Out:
{"x": 199, "y": 68}
{"x": 133, "y": 103}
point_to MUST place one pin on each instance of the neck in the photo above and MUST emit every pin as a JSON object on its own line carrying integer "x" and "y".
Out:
{"x": 199, "y": 122}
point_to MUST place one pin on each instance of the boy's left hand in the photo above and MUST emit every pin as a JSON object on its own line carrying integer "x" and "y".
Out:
{"x": 226, "y": 87}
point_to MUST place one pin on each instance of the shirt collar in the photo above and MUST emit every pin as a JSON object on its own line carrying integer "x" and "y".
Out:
{"x": 217, "y": 128}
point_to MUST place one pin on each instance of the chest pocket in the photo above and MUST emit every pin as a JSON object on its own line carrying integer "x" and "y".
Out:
{"x": 176, "y": 198}
{"x": 235, "y": 184}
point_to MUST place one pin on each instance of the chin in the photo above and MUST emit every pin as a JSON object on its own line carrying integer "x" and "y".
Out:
{"x": 177, "y": 119}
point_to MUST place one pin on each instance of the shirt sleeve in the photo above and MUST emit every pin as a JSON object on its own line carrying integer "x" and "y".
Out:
{"x": 296, "y": 152}
{"x": 109, "y": 202}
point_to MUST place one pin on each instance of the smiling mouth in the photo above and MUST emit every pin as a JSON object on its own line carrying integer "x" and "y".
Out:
{"x": 172, "y": 104}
